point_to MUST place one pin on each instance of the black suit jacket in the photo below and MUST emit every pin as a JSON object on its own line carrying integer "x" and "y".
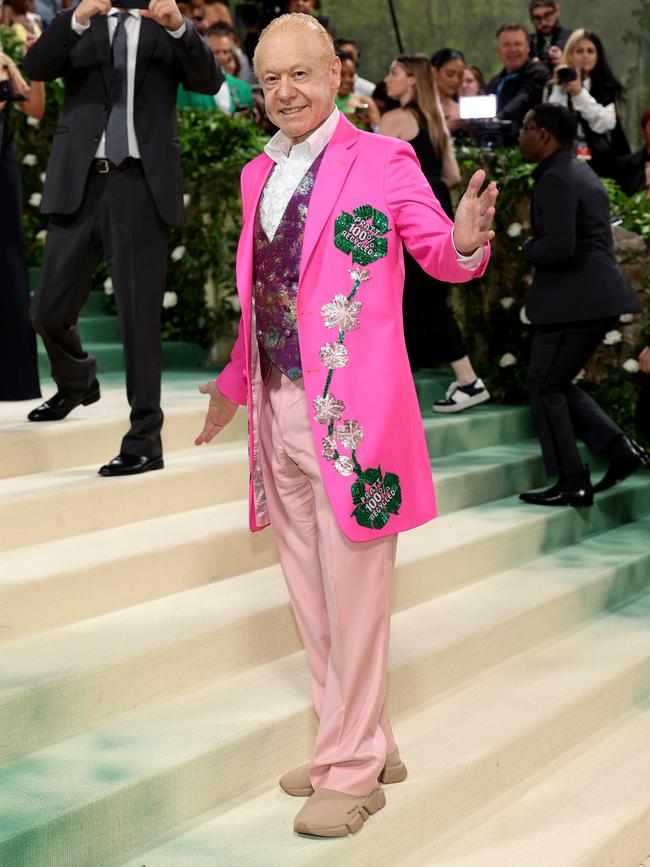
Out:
{"x": 630, "y": 171}
{"x": 520, "y": 92}
{"x": 84, "y": 64}
{"x": 576, "y": 274}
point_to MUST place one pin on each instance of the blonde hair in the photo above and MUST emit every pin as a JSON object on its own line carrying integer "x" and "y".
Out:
{"x": 297, "y": 19}
{"x": 572, "y": 41}
{"x": 426, "y": 99}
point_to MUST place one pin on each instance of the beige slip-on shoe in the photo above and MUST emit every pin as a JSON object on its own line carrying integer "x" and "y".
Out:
{"x": 297, "y": 783}
{"x": 334, "y": 814}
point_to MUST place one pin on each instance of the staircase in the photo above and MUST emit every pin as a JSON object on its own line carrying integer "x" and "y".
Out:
{"x": 153, "y": 686}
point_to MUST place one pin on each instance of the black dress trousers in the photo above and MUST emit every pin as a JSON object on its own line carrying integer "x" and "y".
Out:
{"x": 563, "y": 410}
{"x": 118, "y": 217}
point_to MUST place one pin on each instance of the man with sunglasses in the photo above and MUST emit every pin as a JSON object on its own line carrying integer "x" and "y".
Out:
{"x": 549, "y": 38}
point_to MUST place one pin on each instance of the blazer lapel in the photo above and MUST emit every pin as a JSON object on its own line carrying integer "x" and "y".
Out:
{"x": 149, "y": 32}
{"x": 102, "y": 46}
{"x": 334, "y": 169}
{"x": 245, "y": 251}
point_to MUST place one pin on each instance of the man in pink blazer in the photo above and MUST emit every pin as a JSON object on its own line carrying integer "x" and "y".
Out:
{"x": 338, "y": 458}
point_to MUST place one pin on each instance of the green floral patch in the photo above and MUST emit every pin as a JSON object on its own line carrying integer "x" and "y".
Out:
{"x": 361, "y": 233}
{"x": 376, "y": 498}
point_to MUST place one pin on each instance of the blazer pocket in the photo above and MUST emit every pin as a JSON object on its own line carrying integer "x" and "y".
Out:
{"x": 60, "y": 129}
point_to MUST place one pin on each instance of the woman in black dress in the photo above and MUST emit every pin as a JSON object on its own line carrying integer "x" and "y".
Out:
{"x": 430, "y": 328}
{"x": 18, "y": 363}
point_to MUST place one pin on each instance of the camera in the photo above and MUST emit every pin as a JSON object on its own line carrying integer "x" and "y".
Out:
{"x": 7, "y": 93}
{"x": 566, "y": 74}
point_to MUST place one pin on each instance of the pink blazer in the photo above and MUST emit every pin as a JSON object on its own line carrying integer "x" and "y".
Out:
{"x": 369, "y": 197}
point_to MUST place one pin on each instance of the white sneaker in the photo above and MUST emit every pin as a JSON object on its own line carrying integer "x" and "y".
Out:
{"x": 460, "y": 397}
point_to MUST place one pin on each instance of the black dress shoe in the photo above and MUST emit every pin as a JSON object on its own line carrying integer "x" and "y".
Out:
{"x": 626, "y": 458}
{"x": 571, "y": 490}
{"x": 130, "y": 465}
{"x": 62, "y": 404}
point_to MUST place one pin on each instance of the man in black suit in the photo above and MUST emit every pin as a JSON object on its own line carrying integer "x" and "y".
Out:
{"x": 577, "y": 294}
{"x": 114, "y": 184}
{"x": 520, "y": 84}
{"x": 549, "y": 38}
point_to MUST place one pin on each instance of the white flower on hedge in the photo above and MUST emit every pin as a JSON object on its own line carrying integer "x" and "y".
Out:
{"x": 178, "y": 253}
{"x": 507, "y": 302}
{"x": 41, "y": 236}
{"x": 42, "y": 177}
{"x": 35, "y": 199}
{"x": 514, "y": 230}
{"x": 631, "y": 365}
{"x": 626, "y": 318}
{"x": 528, "y": 279}
{"x": 612, "y": 337}
{"x": 507, "y": 360}
{"x": 108, "y": 286}
{"x": 579, "y": 376}
{"x": 234, "y": 302}
{"x": 186, "y": 199}
{"x": 33, "y": 121}
{"x": 29, "y": 160}
{"x": 170, "y": 299}
{"x": 524, "y": 316}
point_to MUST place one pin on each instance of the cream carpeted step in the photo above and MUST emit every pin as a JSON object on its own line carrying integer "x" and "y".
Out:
{"x": 49, "y": 585}
{"x": 466, "y": 748}
{"x": 46, "y": 506}
{"x": 106, "y": 665}
{"x": 590, "y": 810}
{"x": 92, "y": 435}
{"x": 163, "y": 764}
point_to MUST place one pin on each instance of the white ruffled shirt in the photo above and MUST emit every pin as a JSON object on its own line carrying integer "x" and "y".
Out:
{"x": 292, "y": 161}
{"x": 601, "y": 118}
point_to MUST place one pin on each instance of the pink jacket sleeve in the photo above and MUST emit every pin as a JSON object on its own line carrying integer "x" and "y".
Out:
{"x": 422, "y": 224}
{"x": 232, "y": 381}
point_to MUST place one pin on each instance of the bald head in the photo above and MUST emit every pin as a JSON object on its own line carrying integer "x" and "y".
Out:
{"x": 296, "y": 24}
{"x": 299, "y": 73}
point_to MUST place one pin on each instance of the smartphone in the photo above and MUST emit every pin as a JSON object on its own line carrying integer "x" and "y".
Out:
{"x": 131, "y": 4}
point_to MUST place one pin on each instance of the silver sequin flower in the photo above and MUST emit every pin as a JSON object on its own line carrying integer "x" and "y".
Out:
{"x": 328, "y": 408}
{"x": 329, "y": 448}
{"x": 334, "y": 355}
{"x": 349, "y": 434}
{"x": 344, "y": 466}
{"x": 359, "y": 274}
{"x": 341, "y": 313}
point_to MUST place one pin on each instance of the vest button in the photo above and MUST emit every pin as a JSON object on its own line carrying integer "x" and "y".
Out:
{"x": 287, "y": 333}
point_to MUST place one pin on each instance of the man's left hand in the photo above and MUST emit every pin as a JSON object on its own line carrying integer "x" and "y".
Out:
{"x": 165, "y": 13}
{"x": 474, "y": 215}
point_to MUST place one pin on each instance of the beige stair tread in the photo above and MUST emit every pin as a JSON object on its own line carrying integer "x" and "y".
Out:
{"x": 463, "y": 749}
{"x": 591, "y": 810}
{"x": 44, "y": 506}
{"x": 110, "y": 663}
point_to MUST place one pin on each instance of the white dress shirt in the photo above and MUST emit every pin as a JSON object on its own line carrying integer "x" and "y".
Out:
{"x": 601, "y": 118}
{"x": 132, "y": 25}
{"x": 292, "y": 161}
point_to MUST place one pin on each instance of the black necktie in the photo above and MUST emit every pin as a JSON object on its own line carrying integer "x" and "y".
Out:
{"x": 117, "y": 141}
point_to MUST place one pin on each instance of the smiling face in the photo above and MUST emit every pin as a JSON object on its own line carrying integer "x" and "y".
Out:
{"x": 449, "y": 77}
{"x": 513, "y": 49}
{"x": 585, "y": 55}
{"x": 399, "y": 84}
{"x": 222, "y": 49}
{"x": 348, "y": 76}
{"x": 299, "y": 79}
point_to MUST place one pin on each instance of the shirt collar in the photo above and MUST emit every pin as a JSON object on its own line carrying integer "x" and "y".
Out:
{"x": 281, "y": 149}
{"x": 115, "y": 11}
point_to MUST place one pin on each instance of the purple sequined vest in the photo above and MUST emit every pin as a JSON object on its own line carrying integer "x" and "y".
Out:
{"x": 275, "y": 281}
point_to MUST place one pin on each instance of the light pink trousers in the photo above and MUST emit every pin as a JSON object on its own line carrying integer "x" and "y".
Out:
{"x": 340, "y": 592}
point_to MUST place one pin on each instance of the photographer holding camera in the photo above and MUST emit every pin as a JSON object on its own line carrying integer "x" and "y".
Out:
{"x": 585, "y": 83}
{"x": 18, "y": 365}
